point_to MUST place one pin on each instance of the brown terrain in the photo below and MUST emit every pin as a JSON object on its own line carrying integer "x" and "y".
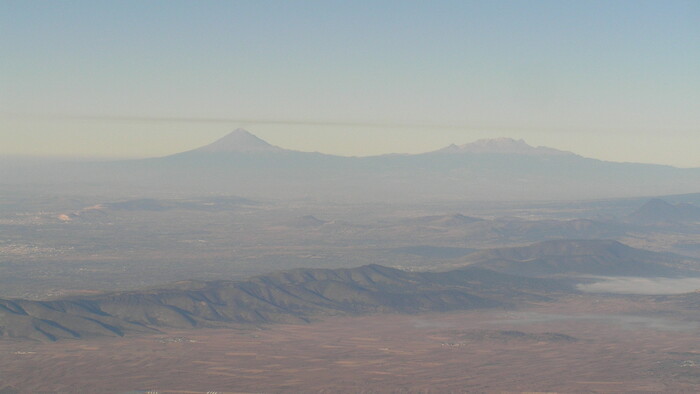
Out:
{"x": 580, "y": 344}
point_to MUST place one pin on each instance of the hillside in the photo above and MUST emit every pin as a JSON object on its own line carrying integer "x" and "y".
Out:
{"x": 659, "y": 211}
{"x": 281, "y": 297}
{"x": 582, "y": 257}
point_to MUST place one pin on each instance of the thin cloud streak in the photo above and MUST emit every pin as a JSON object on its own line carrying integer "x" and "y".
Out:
{"x": 332, "y": 123}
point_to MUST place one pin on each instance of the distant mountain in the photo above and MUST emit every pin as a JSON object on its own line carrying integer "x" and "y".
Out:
{"x": 503, "y": 146}
{"x": 281, "y": 297}
{"x": 242, "y": 164}
{"x": 502, "y": 169}
{"x": 659, "y": 211}
{"x": 516, "y": 229}
{"x": 239, "y": 140}
{"x": 583, "y": 257}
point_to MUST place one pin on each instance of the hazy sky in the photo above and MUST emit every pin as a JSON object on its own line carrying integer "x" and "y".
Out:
{"x": 617, "y": 80}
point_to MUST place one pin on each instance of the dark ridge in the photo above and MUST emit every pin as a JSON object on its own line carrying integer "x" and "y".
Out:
{"x": 295, "y": 296}
{"x": 659, "y": 211}
{"x": 583, "y": 257}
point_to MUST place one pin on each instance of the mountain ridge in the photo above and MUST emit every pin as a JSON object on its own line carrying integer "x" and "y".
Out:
{"x": 658, "y": 211}
{"x": 243, "y": 141}
{"x": 582, "y": 257}
{"x": 502, "y": 145}
{"x": 293, "y": 296}
{"x": 242, "y": 164}
{"x": 494, "y": 278}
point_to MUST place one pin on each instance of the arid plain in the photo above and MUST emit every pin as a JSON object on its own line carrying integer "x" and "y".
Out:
{"x": 578, "y": 344}
{"x": 357, "y": 197}
{"x": 214, "y": 291}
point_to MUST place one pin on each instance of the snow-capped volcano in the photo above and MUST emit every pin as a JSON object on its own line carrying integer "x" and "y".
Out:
{"x": 239, "y": 140}
{"x": 502, "y": 145}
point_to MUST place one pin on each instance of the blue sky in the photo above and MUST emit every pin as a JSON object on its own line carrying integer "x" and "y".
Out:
{"x": 616, "y": 80}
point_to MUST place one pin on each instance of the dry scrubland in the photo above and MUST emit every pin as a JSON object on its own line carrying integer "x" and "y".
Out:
{"x": 573, "y": 342}
{"x": 580, "y": 344}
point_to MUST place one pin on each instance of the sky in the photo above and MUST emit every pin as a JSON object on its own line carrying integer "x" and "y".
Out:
{"x": 614, "y": 80}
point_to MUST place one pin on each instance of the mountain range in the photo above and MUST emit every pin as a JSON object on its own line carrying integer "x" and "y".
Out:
{"x": 493, "y": 278}
{"x": 241, "y": 140}
{"x": 659, "y": 211}
{"x": 243, "y": 164}
{"x": 295, "y": 296}
{"x": 583, "y": 257}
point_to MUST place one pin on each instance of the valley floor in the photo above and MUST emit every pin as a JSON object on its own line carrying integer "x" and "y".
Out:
{"x": 579, "y": 344}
